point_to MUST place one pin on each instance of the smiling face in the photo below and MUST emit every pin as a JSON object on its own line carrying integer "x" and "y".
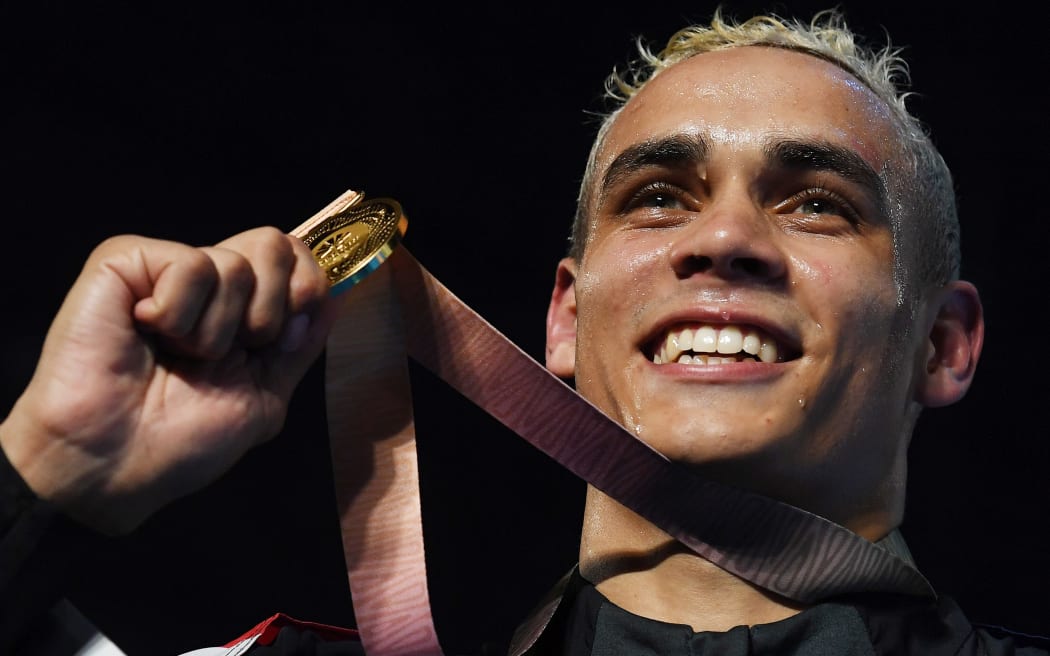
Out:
{"x": 735, "y": 305}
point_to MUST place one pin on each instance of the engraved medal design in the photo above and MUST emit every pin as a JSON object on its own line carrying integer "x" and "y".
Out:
{"x": 351, "y": 238}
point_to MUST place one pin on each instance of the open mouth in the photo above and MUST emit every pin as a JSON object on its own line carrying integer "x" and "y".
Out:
{"x": 707, "y": 344}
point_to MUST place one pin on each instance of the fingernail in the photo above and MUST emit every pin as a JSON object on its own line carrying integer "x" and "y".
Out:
{"x": 294, "y": 333}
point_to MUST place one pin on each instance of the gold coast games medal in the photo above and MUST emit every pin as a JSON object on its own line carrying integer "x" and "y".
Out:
{"x": 351, "y": 237}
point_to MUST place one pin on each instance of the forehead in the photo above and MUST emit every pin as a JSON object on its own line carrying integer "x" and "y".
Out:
{"x": 747, "y": 96}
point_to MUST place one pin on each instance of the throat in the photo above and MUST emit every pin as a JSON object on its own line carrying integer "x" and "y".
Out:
{"x": 646, "y": 572}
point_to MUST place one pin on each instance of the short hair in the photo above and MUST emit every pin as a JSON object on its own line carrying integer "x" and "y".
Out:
{"x": 921, "y": 188}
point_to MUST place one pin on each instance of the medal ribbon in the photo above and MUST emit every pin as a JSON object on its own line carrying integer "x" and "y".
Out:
{"x": 402, "y": 311}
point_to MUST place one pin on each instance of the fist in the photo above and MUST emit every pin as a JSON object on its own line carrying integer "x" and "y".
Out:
{"x": 163, "y": 366}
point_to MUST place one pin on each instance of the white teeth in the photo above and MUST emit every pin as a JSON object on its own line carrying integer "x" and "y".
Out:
{"x": 685, "y": 340}
{"x": 752, "y": 342}
{"x": 727, "y": 340}
{"x": 705, "y": 340}
{"x": 730, "y": 340}
{"x": 768, "y": 351}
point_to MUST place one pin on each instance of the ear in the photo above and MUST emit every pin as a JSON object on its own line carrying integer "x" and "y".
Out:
{"x": 561, "y": 321}
{"x": 954, "y": 343}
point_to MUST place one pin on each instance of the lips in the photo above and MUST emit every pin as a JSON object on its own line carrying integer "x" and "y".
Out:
{"x": 707, "y": 344}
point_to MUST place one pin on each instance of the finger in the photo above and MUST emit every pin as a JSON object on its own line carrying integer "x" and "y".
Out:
{"x": 272, "y": 258}
{"x": 172, "y": 282}
{"x": 289, "y": 362}
{"x": 314, "y": 312}
{"x": 222, "y": 316}
{"x": 308, "y": 294}
{"x": 308, "y": 288}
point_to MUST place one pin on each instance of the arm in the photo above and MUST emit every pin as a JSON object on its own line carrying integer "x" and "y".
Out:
{"x": 37, "y": 546}
{"x": 164, "y": 365}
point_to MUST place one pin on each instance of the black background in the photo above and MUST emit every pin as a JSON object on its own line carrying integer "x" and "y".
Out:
{"x": 192, "y": 123}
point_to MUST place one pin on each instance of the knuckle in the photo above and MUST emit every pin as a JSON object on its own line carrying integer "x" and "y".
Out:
{"x": 239, "y": 274}
{"x": 279, "y": 248}
{"x": 199, "y": 267}
{"x": 119, "y": 248}
{"x": 117, "y": 243}
{"x": 233, "y": 270}
{"x": 269, "y": 244}
{"x": 272, "y": 238}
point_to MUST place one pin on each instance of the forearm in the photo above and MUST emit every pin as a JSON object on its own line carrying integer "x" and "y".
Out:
{"x": 38, "y": 546}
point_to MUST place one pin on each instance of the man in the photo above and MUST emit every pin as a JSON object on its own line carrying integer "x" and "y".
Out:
{"x": 763, "y": 286}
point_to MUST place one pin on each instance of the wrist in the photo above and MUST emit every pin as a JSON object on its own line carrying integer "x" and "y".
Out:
{"x": 57, "y": 477}
{"x": 24, "y": 445}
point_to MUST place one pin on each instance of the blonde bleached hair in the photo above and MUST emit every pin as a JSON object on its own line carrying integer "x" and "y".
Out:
{"x": 922, "y": 195}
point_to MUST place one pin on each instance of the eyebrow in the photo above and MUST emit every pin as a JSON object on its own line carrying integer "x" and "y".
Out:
{"x": 675, "y": 151}
{"x": 844, "y": 162}
{"x": 688, "y": 149}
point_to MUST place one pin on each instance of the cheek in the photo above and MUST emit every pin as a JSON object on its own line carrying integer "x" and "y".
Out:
{"x": 617, "y": 276}
{"x": 850, "y": 278}
{"x": 813, "y": 270}
{"x": 852, "y": 299}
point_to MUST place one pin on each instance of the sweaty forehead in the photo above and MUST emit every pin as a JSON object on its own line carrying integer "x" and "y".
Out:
{"x": 741, "y": 97}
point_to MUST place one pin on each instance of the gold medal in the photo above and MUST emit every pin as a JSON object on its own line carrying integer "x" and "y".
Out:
{"x": 350, "y": 238}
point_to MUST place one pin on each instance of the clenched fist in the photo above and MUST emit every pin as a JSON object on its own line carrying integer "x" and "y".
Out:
{"x": 163, "y": 366}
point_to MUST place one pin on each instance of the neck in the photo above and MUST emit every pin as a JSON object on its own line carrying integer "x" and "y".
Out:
{"x": 645, "y": 571}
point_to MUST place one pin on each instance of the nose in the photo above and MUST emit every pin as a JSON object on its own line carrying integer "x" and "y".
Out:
{"x": 732, "y": 239}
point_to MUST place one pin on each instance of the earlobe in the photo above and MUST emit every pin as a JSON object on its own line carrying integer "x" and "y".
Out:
{"x": 561, "y": 321}
{"x": 953, "y": 346}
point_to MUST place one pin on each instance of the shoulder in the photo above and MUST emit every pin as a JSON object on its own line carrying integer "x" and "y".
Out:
{"x": 1001, "y": 640}
{"x": 911, "y": 626}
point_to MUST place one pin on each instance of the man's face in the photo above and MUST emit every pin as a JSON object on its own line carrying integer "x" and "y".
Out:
{"x": 735, "y": 303}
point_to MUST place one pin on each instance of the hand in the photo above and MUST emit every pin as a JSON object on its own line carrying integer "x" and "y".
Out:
{"x": 163, "y": 366}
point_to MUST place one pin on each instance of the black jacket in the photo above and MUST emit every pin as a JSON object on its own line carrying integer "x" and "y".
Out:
{"x": 38, "y": 545}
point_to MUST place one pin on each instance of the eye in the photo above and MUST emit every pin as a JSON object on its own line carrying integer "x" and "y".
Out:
{"x": 818, "y": 206}
{"x": 819, "y": 201}
{"x": 661, "y": 196}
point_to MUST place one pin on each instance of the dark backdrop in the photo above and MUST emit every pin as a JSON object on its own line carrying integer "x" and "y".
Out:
{"x": 193, "y": 123}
